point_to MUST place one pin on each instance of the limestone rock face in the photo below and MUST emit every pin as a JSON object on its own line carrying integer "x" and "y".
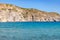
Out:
{"x": 12, "y": 13}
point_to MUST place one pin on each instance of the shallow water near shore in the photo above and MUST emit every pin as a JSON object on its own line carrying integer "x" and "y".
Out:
{"x": 29, "y": 30}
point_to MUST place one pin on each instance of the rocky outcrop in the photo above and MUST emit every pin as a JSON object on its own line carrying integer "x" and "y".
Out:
{"x": 12, "y": 13}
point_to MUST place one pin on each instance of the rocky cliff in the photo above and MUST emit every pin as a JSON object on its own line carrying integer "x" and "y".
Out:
{"x": 12, "y": 13}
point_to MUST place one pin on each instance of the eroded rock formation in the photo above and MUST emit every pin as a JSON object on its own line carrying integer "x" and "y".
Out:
{"x": 12, "y": 13}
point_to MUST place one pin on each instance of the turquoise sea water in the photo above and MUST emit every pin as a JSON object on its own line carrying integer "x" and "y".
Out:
{"x": 29, "y": 30}
{"x": 29, "y": 24}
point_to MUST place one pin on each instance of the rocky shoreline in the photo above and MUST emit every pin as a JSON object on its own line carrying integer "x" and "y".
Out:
{"x": 12, "y": 13}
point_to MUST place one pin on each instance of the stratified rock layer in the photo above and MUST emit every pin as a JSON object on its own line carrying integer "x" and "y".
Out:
{"x": 12, "y": 13}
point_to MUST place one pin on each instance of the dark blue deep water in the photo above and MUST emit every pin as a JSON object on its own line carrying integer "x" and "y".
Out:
{"x": 29, "y": 30}
{"x": 29, "y": 24}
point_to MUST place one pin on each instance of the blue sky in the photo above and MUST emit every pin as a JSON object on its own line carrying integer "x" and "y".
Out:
{"x": 44, "y": 5}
